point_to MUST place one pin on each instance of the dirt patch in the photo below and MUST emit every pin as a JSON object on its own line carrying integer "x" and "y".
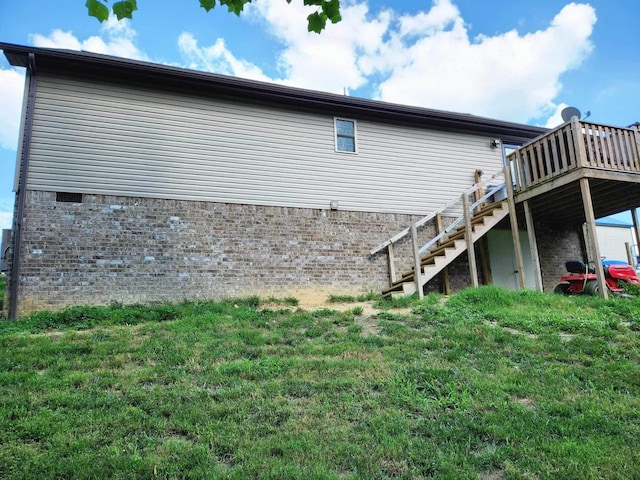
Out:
{"x": 512, "y": 330}
{"x": 525, "y": 402}
{"x": 369, "y": 325}
{"x": 495, "y": 475}
{"x": 566, "y": 337}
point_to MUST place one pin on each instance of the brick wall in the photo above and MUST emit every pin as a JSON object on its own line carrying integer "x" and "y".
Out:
{"x": 126, "y": 249}
{"x": 556, "y": 245}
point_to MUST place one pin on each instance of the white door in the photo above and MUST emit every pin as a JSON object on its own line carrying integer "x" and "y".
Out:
{"x": 502, "y": 259}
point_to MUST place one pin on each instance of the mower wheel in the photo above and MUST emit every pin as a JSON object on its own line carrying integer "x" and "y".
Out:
{"x": 591, "y": 288}
{"x": 562, "y": 289}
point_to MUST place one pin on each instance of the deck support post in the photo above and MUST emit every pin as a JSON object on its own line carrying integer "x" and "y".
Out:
{"x": 417, "y": 268}
{"x": 592, "y": 236}
{"x": 533, "y": 245}
{"x": 636, "y": 230}
{"x": 471, "y": 253}
{"x": 513, "y": 219}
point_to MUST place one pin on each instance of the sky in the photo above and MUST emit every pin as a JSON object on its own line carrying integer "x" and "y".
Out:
{"x": 512, "y": 60}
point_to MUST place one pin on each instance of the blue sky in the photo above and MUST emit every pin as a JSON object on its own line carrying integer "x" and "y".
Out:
{"x": 511, "y": 60}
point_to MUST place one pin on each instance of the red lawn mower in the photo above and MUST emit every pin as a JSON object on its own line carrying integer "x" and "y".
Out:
{"x": 582, "y": 278}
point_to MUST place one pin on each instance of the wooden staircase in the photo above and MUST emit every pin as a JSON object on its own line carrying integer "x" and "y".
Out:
{"x": 489, "y": 208}
{"x": 437, "y": 256}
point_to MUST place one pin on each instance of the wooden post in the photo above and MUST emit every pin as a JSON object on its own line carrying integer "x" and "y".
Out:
{"x": 593, "y": 239}
{"x": 636, "y": 150}
{"x": 533, "y": 245}
{"x": 446, "y": 282}
{"x": 513, "y": 219}
{"x": 392, "y": 264}
{"x": 417, "y": 268}
{"x": 636, "y": 229}
{"x": 587, "y": 242}
{"x": 578, "y": 142}
{"x": 482, "y": 243}
{"x": 473, "y": 270}
{"x": 477, "y": 195}
{"x": 629, "y": 255}
{"x": 518, "y": 175}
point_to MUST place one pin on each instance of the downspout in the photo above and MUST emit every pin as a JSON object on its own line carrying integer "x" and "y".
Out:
{"x": 22, "y": 187}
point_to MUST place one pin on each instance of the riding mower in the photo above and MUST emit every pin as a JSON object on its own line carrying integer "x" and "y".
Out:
{"x": 582, "y": 278}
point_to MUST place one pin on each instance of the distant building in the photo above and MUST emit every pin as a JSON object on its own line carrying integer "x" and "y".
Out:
{"x": 613, "y": 236}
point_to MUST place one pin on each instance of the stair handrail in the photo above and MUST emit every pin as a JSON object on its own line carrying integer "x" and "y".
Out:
{"x": 457, "y": 221}
{"x": 431, "y": 216}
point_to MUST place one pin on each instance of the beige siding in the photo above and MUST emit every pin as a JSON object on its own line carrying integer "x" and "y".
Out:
{"x": 109, "y": 139}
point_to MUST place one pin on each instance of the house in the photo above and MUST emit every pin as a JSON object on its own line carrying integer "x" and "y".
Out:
{"x": 138, "y": 182}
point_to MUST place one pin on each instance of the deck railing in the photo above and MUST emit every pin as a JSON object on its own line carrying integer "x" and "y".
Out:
{"x": 575, "y": 145}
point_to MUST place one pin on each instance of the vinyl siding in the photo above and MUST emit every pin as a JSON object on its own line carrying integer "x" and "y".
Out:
{"x": 112, "y": 139}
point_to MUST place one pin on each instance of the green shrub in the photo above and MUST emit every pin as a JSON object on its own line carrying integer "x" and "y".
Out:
{"x": 342, "y": 299}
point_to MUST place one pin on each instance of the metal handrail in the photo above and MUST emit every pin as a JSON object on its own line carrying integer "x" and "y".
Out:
{"x": 431, "y": 216}
{"x": 457, "y": 221}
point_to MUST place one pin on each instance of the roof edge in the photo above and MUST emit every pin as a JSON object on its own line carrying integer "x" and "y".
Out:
{"x": 17, "y": 55}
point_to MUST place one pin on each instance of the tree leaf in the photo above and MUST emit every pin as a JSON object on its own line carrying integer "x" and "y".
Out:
{"x": 235, "y": 6}
{"x": 124, "y": 9}
{"x": 317, "y": 22}
{"x": 331, "y": 9}
{"x": 98, "y": 10}
{"x": 208, "y": 4}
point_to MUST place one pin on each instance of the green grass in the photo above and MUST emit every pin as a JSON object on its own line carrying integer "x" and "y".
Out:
{"x": 491, "y": 384}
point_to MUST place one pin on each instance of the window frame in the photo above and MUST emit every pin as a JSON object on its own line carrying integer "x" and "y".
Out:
{"x": 336, "y": 135}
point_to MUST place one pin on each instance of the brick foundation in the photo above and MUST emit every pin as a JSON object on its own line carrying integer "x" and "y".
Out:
{"x": 129, "y": 250}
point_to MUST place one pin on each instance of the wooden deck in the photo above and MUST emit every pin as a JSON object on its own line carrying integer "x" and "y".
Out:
{"x": 569, "y": 176}
{"x": 547, "y": 171}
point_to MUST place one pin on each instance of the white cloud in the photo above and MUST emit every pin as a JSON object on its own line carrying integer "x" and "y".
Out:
{"x": 217, "y": 58}
{"x": 425, "y": 59}
{"x": 556, "y": 117}
{"x": 328, "y": 61}
{"x": 11, "y": 88}
{"x": 509, "y": 76}
{"x": 325, "y": 62}
{"x": 116, "y": 38}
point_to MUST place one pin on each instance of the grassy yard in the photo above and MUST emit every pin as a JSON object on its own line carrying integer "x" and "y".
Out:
{"x": 490, "y": 385}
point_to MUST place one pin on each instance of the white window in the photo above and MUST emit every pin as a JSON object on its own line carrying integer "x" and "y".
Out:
{"x": 345, "y": 135}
